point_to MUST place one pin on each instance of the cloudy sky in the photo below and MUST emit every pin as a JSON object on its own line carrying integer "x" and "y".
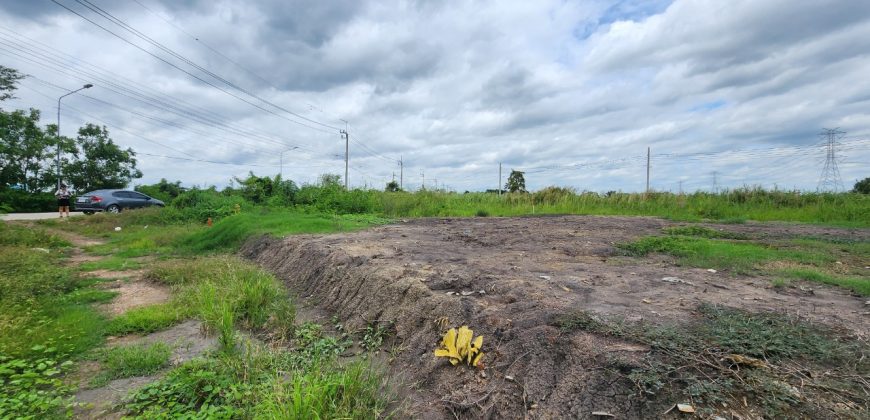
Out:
{"x": 572, "y": 92}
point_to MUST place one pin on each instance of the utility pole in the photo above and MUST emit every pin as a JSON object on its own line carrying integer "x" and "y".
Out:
{"x": 681, "y": 187}
{"x": 401, "y": 173}
{"x": 830, "y": 179}
{"x": 346, "y": 151}
{"x": 715, "y": 183}
{"x": 423, "y": 175}
{"x": 499, "y": 178}
{"x": 647, "y": 170}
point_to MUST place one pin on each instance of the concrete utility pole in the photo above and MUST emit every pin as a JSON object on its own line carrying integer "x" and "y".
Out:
{"x": 499, "y": 178}
{"x": 87, "y": 86}
{"x": 423, "y": 175}
{"x": 346, "y": 151}
{"x": 401, "y": 173}
{"x": 282, "y": 160}
{"x": 647, "y": 170}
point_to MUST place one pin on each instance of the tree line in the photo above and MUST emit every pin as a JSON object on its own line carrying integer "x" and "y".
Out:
{"x": 28, "y": 156}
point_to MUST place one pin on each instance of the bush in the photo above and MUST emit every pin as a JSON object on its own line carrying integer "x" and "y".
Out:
{"x": 26, "y": 202}
{"x": 199, "y": 205}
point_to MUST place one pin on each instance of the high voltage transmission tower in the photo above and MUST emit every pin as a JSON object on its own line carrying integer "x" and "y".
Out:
{"x": 830, "y": 179}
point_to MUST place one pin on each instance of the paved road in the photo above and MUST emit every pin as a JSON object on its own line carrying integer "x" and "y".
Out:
{"x": 35, "y": 216}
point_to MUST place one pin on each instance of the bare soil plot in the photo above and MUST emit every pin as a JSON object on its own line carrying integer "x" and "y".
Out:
{"x": 510, "y": 279}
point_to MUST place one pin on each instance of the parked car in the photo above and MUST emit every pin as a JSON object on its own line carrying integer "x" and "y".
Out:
{"x": 113, "y": 201}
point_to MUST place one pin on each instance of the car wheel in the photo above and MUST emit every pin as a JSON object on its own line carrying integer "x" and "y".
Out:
{"x": 88, "y": 212}
{"x": 113, "y": 209}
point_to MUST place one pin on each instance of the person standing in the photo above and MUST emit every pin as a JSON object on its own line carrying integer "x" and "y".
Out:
{"x": 63, "y": 195}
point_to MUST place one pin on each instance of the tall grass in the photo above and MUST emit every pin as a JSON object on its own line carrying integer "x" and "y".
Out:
{"x": 225, "y": 290}
{"x": 753, "y": 204}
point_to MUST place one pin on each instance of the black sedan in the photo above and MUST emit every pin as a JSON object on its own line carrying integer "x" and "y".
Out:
{"x": 113, "y": 201}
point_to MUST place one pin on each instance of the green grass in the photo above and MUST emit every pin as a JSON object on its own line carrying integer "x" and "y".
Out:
{"x": 113, "y": 263}
{"x": 135, "y": 360}
{"x": 148, "y": 319}
{"x": 212, "y": 286}
{"x": 259, "y": 383}
{"x": 229, "y": 233}
{"x": 859, "y": 285}
{"x": 703, "y": 232}
{"x": 806, "y": 259}
{"x": 741, "y": 257}
{"x": 735, "y": 206}
{"x": 46, "y": 321}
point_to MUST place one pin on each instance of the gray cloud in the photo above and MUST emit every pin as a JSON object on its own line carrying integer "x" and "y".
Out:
{"x": 457, "y": 87}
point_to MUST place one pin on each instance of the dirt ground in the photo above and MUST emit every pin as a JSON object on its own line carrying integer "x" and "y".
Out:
{"x": 508, "y": 278}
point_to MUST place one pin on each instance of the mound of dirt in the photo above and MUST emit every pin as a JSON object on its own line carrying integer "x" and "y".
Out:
{"x": 509, "y": 279}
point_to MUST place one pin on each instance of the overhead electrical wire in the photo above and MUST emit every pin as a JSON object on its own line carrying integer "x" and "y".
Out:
{"x": 108, "y": 16}
{"x": 185, "y": 71}
{"x": 106, "y": 84}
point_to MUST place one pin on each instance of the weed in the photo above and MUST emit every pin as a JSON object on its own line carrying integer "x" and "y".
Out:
{"x": 780, "y": 283}
{"x": 32, "y": 388}
{"x": 688, "y": 359}
{"x": 373, "y": 336}
{"x": 741, "y": 257}
{"x": 227, "y": 337}
{"x": 147, "y": 319}
{"x": 205, "y": 285}
{"x": 232, "y": 231}
{"x": 703, "y": 232}
{"x": 114, "y": 263}
{"x": 91, "y": 296}
{"x": 481, "y": 213}
{"x": 136, "y": 360}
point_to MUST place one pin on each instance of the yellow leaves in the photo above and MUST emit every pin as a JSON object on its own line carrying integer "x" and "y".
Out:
{"x": 461, "y": 346}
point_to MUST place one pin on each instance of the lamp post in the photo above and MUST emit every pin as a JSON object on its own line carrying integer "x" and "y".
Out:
{"x": 87, "y": 86}
{"x": 282, "y": 160}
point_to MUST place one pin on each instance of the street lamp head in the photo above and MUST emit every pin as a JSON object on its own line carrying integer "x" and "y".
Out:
{"x": 88, "y": 86}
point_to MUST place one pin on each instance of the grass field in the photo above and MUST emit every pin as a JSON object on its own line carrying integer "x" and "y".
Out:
{"x": 838, "y": 263}
{"x": 49, "y": 324}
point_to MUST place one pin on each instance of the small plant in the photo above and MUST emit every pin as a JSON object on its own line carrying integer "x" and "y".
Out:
{"x": 32, "y": 388}
{"x": 227, "y": 330}
{"x": 373, "y": 336}
{"x": 703, "y": 232}
{"x": 780, "y": 283}
{"x": 481, "y": 213}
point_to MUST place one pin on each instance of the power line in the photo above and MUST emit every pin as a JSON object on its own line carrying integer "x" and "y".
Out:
{"x": 185, "y": 71}
{"x": 145, "y": 99}
{"x": 108, "y": 16}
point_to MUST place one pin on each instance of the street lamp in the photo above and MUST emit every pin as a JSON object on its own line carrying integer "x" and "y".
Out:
{"x": 87, "y": 86}
{"x": 282, "y": 160}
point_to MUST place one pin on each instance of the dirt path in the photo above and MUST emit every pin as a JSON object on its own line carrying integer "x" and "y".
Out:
{"x": 186, "y": 339}
{"x": 508, "y": 278}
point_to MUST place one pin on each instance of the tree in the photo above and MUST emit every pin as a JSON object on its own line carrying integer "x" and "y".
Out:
{"x": 8, "y": 79}
{"x": 516, "y": 182}
{"x": 98, "y": 162}
{"x": 25, "y": 152}
{"x": 392, "y": 186}
{"x": 862, "y": 186}
{"x": 163, "y": 190}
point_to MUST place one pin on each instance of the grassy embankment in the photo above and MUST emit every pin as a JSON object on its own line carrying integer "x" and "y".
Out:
{"x": 824, "y": 260}
{"x": 48, "y": 324}
{"x": 847, "y": 210}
